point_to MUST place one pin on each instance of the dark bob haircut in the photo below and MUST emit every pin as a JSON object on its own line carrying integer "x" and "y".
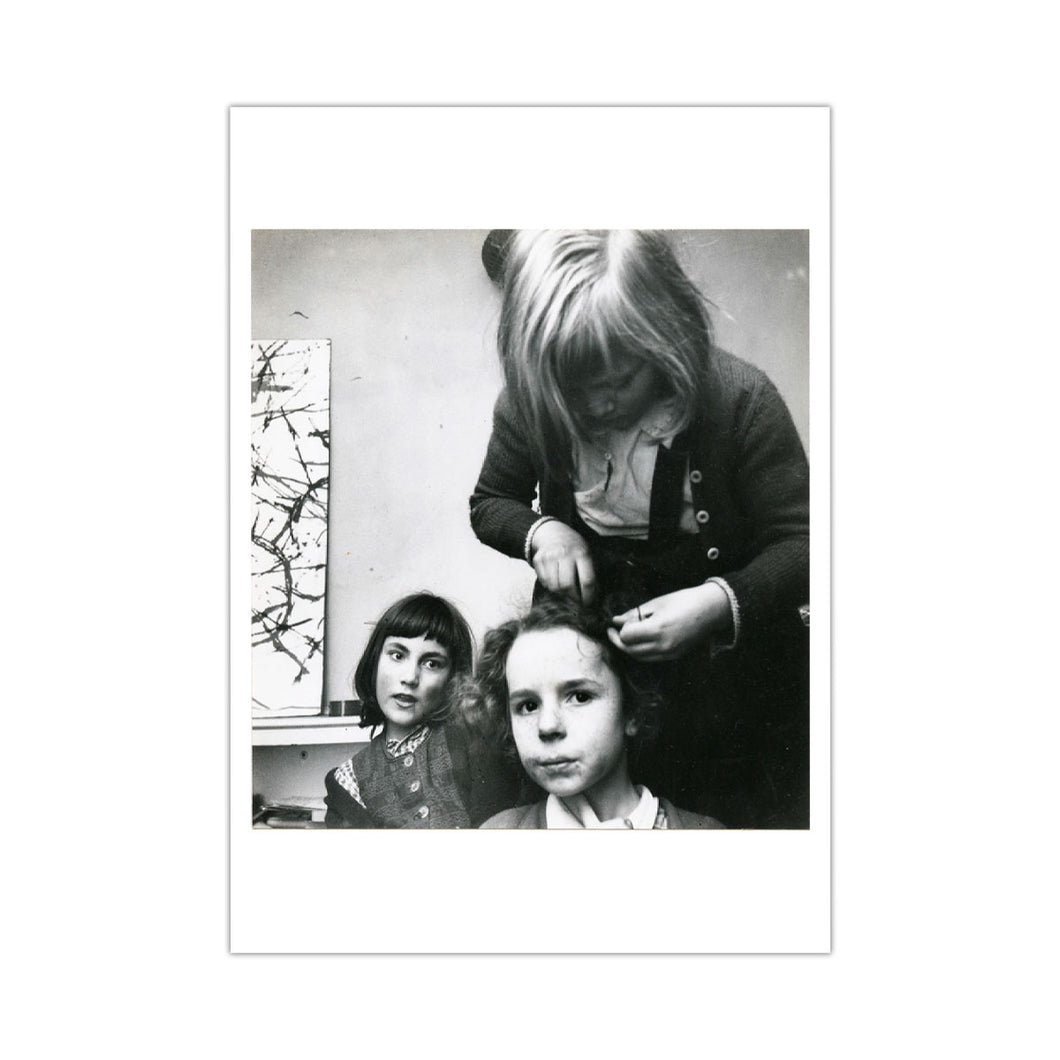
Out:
{"x": 419, "y": 615}
{"x": 641, "y": 699}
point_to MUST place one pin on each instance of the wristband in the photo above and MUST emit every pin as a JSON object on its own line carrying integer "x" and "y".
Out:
{"x": 735, "y": 606}
{"x": 533, "y": 530}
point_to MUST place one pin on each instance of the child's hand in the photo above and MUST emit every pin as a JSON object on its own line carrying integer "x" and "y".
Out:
{"x": 562, "y": 561}
{"x": 669, "y": 626}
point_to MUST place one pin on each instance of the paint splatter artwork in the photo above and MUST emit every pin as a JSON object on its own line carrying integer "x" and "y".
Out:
{"x": 289, "y": 489}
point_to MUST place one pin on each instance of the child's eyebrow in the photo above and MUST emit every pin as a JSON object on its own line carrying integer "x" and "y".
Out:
{"x": 517, "y": 693}
{"x": 579, "y": 682}
{"x": 441, "y": 654}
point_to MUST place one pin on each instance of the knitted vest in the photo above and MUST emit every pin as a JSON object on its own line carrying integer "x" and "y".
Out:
{"x": 417, "y": 790}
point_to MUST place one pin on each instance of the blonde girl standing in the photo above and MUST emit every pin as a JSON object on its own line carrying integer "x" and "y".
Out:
{"x": 634, "y": 462}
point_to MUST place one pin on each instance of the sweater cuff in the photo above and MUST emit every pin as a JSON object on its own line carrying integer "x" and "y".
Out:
{"x": 716, "y": 646}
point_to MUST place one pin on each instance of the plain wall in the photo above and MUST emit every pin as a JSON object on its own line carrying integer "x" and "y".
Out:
{"x": 412, "y": 316}
{"x": 293, "y": 770}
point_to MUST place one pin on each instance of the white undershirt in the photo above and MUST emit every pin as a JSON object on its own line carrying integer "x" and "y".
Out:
{"x": 613, "y": 475}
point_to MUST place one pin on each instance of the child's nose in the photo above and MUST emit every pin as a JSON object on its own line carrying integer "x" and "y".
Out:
{"x": 410, "y": 675}
{"x": 549, "y": 722}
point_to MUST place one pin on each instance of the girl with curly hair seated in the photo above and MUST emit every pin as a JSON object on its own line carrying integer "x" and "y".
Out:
{"x": 564, "y": 701}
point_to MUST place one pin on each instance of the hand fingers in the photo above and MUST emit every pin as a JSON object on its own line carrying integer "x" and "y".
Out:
{"x": 643, "y": 632}
{"x": 567, "y": 577}
{"x": 573, "y": 575}
{"x": 546, "y": 573}
{"x": 641, "y": 652}
{"x": 647, "y": 639}
{"x": 634, "y": 614}
{"x": 647, "y": 651}
{"x": 586, "y": 574}
{"x": 558, "y": 576}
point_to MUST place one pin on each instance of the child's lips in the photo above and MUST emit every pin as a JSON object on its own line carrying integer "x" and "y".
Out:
{"x": 556, "y": 765}
{"x": 404, "y": 700}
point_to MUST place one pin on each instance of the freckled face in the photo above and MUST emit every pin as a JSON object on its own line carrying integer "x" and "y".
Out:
{"x": 617, "y": 394}
{"x": 410, "y": 681}
{"x": 566, "y": 714}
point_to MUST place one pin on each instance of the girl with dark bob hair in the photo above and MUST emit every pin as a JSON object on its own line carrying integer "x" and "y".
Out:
{"x": 572, "y": 710}
{"x": 424, "y": 768}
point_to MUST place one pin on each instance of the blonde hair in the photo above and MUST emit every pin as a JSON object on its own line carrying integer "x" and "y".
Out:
{"x": 573, "y": 299}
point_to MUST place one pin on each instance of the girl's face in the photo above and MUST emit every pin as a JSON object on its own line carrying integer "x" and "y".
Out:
{"x": 410, "y": 681}
{"x": 616, "y": 396}
{"x": 566, "y": 713}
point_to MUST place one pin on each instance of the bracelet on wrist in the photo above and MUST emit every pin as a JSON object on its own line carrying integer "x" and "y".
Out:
{"x": 530, "y": 535}
{"x": 734, "y": 606}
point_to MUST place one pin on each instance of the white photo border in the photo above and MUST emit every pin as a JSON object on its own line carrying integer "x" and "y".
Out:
{"x": 526, "y": 892}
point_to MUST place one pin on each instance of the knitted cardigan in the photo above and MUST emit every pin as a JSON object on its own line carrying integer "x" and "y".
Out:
{"x": 750, "y": 490}
{"x": 470, "y": 782}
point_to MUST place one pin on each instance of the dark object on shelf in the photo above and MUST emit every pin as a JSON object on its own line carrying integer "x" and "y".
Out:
{"x": 342, "y": 708}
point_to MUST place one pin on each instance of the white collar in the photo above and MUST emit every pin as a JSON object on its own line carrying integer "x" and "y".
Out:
{"x": 575, "y": 812}
{"x": 406, "y": 745}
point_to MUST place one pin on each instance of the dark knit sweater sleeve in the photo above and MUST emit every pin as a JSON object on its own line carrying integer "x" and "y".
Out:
{"x": 770, "y": 478}
{"x": 343, "y": 810}
{"x": 501, "y": 506}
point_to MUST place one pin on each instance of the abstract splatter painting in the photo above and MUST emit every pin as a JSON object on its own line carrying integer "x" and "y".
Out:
{"x": 289, "y": 489}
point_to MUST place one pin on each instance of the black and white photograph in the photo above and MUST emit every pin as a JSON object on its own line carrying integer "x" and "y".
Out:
{"x": 531, "y": 535}
{"x": 649, "y": 495}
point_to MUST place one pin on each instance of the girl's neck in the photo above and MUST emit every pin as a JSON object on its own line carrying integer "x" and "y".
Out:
{"x": 614, "y": 796}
